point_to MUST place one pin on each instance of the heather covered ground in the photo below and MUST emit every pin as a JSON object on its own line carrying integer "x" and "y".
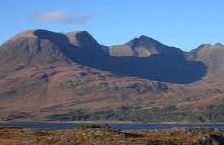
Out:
{"x": 107, "y": 136}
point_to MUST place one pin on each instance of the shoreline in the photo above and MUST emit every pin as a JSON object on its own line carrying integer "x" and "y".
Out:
{"x": 109, "y": 122}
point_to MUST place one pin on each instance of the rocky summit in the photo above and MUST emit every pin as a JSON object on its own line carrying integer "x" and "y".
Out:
{"x": 46, "y": 75}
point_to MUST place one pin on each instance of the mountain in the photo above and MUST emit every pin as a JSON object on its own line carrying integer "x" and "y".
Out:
{"x": 143, "y": 47}
{"x": 70, "y": 76}
{"x": 45, "y": 47}
{"x": 147, "y": 58}
{"x": 212, "y": 56}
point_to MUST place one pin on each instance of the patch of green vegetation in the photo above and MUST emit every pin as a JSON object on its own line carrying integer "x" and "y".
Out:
{"x": 3, "y": 125}
{"x": 167, "y": 114}
{"x": 105, "y": 126}
{"x": 211, "y": 114}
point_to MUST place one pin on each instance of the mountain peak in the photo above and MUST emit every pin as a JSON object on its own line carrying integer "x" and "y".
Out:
{"x": 209, "y": 46}
{"x": 34, "y": 34}
{"x": 46, "y": 48}
{"x": 41, "y": 33}
{"x": 37, "y": 47}
{"x": 76, "y": 38}
{"x": 142, "y": 41}
{"x": 24, "y": 34}
{"x": 79, "y": 38}
{"x": 143, "y": 46}
{"x": 74, "y": 33}
{"x": 219, "y": 45}
{"x": 203, "y": 46}
{"x": 144, "y": 37}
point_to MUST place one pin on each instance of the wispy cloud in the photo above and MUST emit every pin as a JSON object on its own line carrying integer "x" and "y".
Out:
{"x": 63, "y": 17}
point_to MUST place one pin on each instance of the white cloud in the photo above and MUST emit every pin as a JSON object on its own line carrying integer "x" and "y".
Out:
{"x": 63, "y": 17}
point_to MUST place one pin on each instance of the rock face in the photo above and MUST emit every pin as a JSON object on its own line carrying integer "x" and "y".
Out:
{"x": 44, "y": 73}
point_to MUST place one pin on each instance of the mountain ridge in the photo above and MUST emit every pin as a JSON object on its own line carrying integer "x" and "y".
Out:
{"x": 80, "y": 47}
{"x": 29, "y": 33}
{"x": 50, "y": 74}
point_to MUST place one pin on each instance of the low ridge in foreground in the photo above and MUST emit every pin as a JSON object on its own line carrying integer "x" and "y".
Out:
{"x": 97, "y": 136}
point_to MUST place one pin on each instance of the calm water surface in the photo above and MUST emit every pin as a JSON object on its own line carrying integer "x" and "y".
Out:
{"x": 115, "y": 126}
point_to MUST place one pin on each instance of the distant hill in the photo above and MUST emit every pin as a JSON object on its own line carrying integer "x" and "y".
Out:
{"x": 70, "y": 76}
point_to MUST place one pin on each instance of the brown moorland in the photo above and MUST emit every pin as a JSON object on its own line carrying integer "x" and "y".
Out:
{"x": 98, "y": 136}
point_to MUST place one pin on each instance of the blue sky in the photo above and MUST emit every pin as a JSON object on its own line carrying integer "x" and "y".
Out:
{"x": 181, "y": 23}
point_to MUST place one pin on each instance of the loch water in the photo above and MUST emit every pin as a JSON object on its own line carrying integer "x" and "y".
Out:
{"x": 121, "y": 126}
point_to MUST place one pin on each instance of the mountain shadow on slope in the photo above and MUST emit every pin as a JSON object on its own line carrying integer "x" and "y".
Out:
{"x": 172, "y": 68}
{"x": 86, "y": 52}
{"x": 155, "y": 67}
